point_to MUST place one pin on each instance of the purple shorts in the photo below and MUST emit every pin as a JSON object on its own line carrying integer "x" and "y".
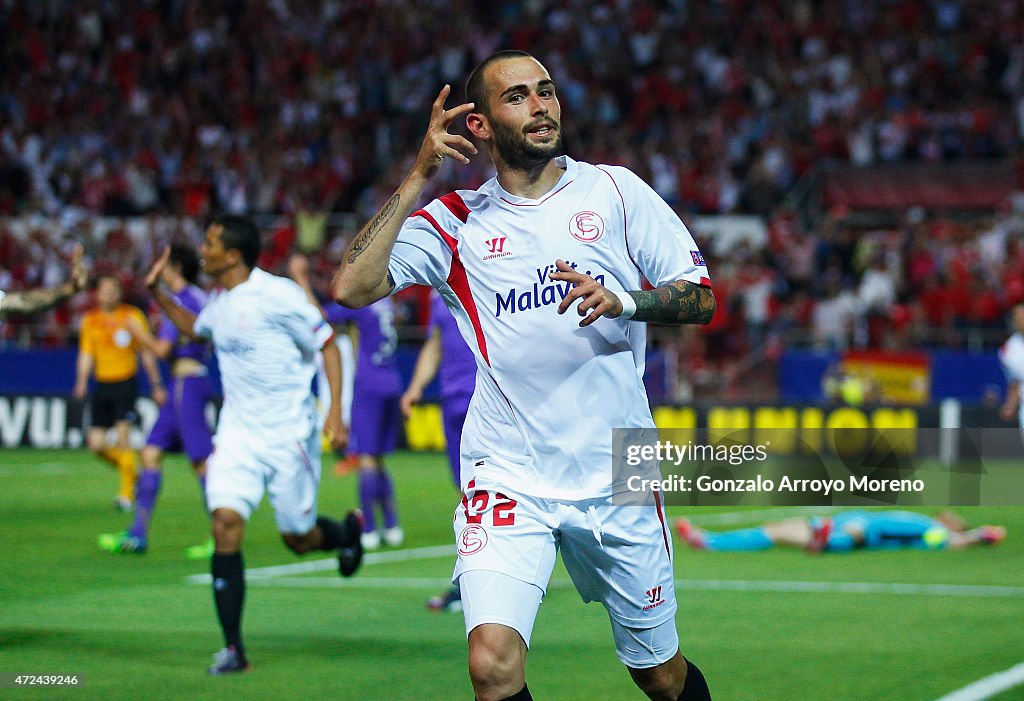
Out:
{"x": 375, "y": 423}
{"x": 454, "y": 409}
{"x": 182, "y": 419}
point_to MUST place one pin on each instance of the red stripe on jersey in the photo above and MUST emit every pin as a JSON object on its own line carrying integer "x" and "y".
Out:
{"x": 705, "y": 281}
{"x": 453, "y": 201}
{"x": 459, "y": 282}
{"x": 661, "y": 517}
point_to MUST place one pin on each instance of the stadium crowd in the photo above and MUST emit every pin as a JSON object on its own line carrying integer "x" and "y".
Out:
{"x": 173, "y": 109}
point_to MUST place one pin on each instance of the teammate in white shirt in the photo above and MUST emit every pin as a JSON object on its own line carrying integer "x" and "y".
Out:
{"x": 31, "y": 301}
{"x": 546, "y": 234}
{"x": 266, "y": 335}
{"x": 1011, "y": 355}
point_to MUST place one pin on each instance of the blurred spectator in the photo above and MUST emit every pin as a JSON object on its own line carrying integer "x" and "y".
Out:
{"x": 299, "y": 111}
{"x": 180, "y": 105}
{"x": 834, "y": 316}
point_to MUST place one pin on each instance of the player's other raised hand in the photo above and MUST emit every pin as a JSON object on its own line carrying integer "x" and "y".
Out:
{"x": 594, "y": 298}
{"x": 438, "y": 143}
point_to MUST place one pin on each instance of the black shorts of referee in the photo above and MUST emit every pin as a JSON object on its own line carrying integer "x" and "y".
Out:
{"x": 112, "y": 402}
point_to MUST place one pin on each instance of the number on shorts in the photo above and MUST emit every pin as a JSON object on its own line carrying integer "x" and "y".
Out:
{"x": 479, "y": 503}
{"x": 502, "y": 514}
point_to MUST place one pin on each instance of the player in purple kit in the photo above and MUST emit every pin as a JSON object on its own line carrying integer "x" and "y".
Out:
{"x": 445, "y": 350}
{"x": 375, "y": 413}
{"x": 181, "y": 424}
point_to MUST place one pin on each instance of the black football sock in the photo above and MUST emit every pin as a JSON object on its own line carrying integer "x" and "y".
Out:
{"x": 696, "y": 687}
{"x": 229, "y": 595}
{"x": 334, "y": 533}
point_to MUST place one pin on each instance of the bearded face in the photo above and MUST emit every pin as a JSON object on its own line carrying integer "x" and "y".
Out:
{"x": 528, "y": 147}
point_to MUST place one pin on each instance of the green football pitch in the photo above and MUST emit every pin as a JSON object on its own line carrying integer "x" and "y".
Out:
{"x": 904, "y": 626}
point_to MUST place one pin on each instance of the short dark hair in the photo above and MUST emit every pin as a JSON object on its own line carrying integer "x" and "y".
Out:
{"x": 240, "y": 234}
{"x": 475, "y": 90}
{"x": 113, "y": 277}
{"x": 188, "y": 260}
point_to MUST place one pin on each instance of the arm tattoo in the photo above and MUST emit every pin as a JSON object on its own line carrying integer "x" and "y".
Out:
{"x": 367, "y": 235}
{"x": 31, "y": 301}
{"x": 679, "y": 302}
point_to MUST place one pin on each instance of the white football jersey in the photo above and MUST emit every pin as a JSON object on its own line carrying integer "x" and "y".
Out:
{"x": 548, "y": 393}
{"x": 1011, "y": 355}
{"x": 266, "y": 335}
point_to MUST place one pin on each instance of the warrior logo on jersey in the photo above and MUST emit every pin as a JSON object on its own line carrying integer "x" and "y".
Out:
{"x": 496, "y": 247}
{"x": 586, "y": 227}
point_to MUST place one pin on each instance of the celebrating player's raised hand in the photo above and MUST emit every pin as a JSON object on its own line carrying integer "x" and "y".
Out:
{"x": 595, "y": 297}
{"x": 363, "y": 276}
{"x": 79, "y": 273}
{"x": 438, "y": 142}
{"x": 153, "y": 276}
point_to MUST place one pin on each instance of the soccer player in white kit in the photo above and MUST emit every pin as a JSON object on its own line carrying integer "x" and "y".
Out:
{"x": 266, "y": 336}
{"x": 1011, "y": 355}
{"x": 510, "y": 258}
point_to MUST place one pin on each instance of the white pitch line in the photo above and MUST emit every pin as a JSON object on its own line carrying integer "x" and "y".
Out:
{"x": 328, "y": 564}
{"x": 989, "y": 686}
{"x": 975, "y": 590}
{"x": 358, "y": 582}
{"x": 410, "y": 554}
{"x": 797, "y": 587}
{"x": 36, "y": 469}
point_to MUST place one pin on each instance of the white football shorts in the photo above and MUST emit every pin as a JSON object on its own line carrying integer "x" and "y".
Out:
{"x": 617, "y": 554}
{"x": 242, "y": 466}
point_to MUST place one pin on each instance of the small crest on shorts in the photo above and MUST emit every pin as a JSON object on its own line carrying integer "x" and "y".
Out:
{"x": 472, "y": 540}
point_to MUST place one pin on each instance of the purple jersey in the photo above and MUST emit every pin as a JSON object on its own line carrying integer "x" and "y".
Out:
{"x": 458, "y": 366}
{"x": 376, "y": 371}
{"x": 181, "y": 424}
{"x": 191, "y": 298}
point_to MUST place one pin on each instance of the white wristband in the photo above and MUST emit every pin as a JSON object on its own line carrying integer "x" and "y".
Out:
{"x": 628, "y": 305}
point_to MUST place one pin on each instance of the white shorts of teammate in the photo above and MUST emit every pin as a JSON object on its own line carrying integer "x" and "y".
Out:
{"x": 618, "y": 555}
{"x": 242, "y": 466}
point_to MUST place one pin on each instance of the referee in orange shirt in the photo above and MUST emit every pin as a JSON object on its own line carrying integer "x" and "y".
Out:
{"x": 108, "y": 350}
